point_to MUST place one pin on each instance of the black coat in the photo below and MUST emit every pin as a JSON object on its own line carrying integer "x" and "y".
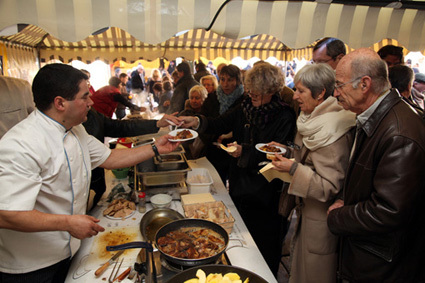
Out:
{"x": 181, "y": 93}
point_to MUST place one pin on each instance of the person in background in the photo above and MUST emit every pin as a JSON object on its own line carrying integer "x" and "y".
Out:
{"x": 157, "y": 89}
{"x": 91, "y": 89}
{"x": 329, "y": 50}
{"x": 323, "y": 143}
{"x": 201, "y": 70}
{"x": 391, "y": 54}
{"x": 107, "y": 98}
{"x": 120, "y": 111}
{"x": 219, "y": 67}
{"x": 156, "y": 77}
{"x": 210, "y": 107}
{"x": 138, "y": 80}
{"x": 165, "y": 98}
{"x": 16, "y": 102}
{"x": 380, "y": 218}
{"x": 401, "y": 78}
{"x": 418, "y": 89}
{"x": 193, "y": 105}
{"x": 262, "y": 117}
{"x": 175, "y": 77}
{"x": 183, "y": 85}
{"x": 45, "y": 189}
{"x": 171, "y": 67}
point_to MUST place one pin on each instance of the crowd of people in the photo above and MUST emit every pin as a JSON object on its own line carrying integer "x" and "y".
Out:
{"x": 352, "y": 126}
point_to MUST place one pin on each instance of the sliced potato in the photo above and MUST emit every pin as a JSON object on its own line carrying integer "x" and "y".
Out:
{"x": 201, "y": 276}
{"x": 232, "y": 276}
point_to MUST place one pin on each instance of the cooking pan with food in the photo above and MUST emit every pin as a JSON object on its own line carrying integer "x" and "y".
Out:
{"x": 219, "y": 241}
{"x": 214, "y": 268}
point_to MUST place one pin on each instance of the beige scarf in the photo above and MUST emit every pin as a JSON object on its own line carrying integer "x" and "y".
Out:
{"x": 325, "y": 125}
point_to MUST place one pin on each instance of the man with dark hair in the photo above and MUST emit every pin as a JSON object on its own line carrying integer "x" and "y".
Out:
{"x": 391, "y": 54}
{"x": 44, "y": 190}
{"x": 181, "y": 91}
{"x": 201, "y": 70}
{"x": 106, "y": 99}
{"x": 329, "y": 50}
{"x": 380, "y": 220}
{"x": 120, "y": 110}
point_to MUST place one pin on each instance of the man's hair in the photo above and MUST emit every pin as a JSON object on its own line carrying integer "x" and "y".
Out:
{"x": 373, "y": 67}
{"x": 232, "y": 71}
{"x": 114, "y": 81}
{"x": 56, "y": 80}
{"x": 123, "y": 75}
{"x": 157, "y": 86}
{"x": 184, "y": 67}
{"x": 167, "y": 85}
{"x": 401, "y": 77}
{"x": 334, "y": 46}
{"x": 391, "y": 50}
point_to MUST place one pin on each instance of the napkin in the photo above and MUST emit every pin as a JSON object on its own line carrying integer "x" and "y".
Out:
{"x": 269, "y": 173}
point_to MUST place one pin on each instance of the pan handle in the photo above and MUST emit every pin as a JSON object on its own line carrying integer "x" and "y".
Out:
{"x": 131, "y": 245}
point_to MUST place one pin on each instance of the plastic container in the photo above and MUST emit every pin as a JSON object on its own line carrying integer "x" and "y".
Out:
{"x": 120, "y": 173}
{"x": 141, "y": 206}
{"x": 199, "y": 181}
{"x": 161, "y": 200}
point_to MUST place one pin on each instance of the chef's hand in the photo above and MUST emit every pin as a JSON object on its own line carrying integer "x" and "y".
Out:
{"x": 164, "y": 123}
{"x": 281, "y": 163}
{"x": 83, "y": 226}
{"x": 164, "y": 145}
{"x": 337, "y": 204}
{"x": 190, "y": 122}
{"x": 238, "y": 150}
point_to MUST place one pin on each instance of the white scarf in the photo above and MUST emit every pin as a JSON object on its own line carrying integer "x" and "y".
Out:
{"x": 325, "y": 125}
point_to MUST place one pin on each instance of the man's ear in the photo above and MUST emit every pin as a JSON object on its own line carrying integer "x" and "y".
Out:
{"x": 366, "y": 83}
{"x": 59, "y": 103}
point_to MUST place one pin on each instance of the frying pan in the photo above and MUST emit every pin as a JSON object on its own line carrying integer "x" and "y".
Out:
{"x": 155, "y": 219}
{"x": 189, "y": 223}
{"x": 215, "y": 268}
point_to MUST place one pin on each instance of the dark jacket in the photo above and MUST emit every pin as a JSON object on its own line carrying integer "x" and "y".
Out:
{"x": 211, "y": 105}
{"x": 382, "y": 222}
{"x": 100, "y": 126}
{"x": 181, "y": 93}
{"x": 136, "y": 81}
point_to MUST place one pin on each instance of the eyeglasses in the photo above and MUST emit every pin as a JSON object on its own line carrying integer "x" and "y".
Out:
{"x": 254, "y": 95}
{"x": 340, "y": 85}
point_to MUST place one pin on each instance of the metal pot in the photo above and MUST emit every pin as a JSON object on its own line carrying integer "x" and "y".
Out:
{"x": 189, "y": 223}
{"x": 214, "y": 268}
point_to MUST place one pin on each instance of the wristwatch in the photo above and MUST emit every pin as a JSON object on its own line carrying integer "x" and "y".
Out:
{"x": 155, "y": 150}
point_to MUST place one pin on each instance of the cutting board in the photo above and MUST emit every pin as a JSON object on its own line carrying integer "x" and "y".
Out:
{"x": 111, "y": 237}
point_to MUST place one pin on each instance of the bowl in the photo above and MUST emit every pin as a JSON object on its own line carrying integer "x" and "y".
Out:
{"x": 161, "y": 200}
{"x": 120, "y": 173}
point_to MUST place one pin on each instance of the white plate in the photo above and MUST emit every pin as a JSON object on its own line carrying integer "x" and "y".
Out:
{"x": 259, "y": 145}
{"x": 119, "y": 218}
{"x": 175, "y": 132}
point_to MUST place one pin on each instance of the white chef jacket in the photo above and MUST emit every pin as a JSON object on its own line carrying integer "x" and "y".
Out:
{"x": 44, "y": 167}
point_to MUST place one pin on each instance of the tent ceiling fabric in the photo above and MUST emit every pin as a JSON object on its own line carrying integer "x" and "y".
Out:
{"x": 296, "y": 24}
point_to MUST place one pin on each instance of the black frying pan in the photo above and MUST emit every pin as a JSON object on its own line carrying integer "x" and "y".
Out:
{"x": 214, "y": 268}
{"x": 189, "y": 223}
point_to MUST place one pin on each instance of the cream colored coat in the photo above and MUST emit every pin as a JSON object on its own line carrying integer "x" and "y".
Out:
{"x": 313, "y": 254}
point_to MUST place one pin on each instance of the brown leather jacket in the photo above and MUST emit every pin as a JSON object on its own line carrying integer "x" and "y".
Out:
{"x": 383, "y": 223}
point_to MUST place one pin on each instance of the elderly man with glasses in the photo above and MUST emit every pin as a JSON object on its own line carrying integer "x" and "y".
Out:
{"x": 329, "y": 50}
{"x": 380, "y": 219}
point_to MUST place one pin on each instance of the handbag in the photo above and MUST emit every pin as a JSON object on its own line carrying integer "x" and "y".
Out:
{"x": 287, "y": 202}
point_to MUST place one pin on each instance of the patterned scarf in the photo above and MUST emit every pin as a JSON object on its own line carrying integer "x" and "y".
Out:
{"x": 226, "y": 100}
{"x": 262, "y": 115}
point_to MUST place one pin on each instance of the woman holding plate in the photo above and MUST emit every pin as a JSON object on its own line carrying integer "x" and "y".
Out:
{"x": 324, "y": 142}
{"x": 260, "y": 118}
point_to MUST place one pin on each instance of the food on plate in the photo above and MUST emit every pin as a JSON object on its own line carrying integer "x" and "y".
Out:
{"x": 270, "y": 148}
{"x": 191, "y": 243}
{"x": 120, "y": 208}
{"x": 184, "y": 134}
{"x": 230, "y": 277}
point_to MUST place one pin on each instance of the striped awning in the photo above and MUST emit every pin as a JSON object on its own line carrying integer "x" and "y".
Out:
{"x": 147, "y": 28}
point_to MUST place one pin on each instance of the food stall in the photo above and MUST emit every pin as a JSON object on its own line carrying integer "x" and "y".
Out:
{"x": 241, "y": 250}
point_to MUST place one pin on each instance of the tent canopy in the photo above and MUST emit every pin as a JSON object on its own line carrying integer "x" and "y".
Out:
{"x": 148, "y": 29}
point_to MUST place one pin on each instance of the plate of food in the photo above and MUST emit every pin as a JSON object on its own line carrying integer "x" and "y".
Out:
{"x": 120, "y": 209}
{"x": 270, "y": 149}
{"x": 182, "y": 135}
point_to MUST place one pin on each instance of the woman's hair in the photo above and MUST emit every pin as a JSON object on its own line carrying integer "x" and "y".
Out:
{"x": 157, "y": 73}
{"x": 56, "y": 80}
{"x": 317, "y": 77}
{"x": 167, "y": 85}
{"x": 210, "y": 77}
{"x": 199, "y": 89}
{"x": 264, "y": 78}
{"x": 232, "y": 71}
{"x": 157, "y": 86}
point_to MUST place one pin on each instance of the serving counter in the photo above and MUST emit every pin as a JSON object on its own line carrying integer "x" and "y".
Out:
{"x": 241, "y": 250}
